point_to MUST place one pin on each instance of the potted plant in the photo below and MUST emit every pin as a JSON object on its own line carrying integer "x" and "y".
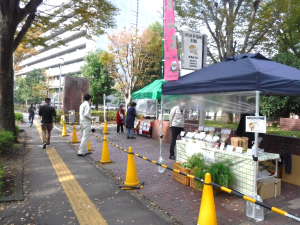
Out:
{"x": 220, "y": 174}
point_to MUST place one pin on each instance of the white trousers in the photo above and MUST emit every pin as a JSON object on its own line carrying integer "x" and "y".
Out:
{"x": 85, "y": 129}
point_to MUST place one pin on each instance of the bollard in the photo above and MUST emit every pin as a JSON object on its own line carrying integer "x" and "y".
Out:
{"x": 74, "y": 136}
{"x": 89, "y": 146}
{"x": 105, "y": 128}
{"x": 131, "y": 181}
{"x": 207, "y": 214}
{"x": 105, "y": 159}
{"x": 64, "y": 130}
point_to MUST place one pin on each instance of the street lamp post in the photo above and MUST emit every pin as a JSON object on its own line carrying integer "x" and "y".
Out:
{"x": 61, "y": 63}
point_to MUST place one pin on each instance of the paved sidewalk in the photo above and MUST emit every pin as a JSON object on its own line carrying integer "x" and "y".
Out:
{"x": 46, "y": 201}
{"x": 180, "y": 201}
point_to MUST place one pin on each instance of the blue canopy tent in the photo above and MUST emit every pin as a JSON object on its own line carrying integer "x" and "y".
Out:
{"x": 228, "y": 84}
{"x": 245, "y": 72}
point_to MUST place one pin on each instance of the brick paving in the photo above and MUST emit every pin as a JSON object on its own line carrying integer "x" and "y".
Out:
{"x": 179, "y": 201}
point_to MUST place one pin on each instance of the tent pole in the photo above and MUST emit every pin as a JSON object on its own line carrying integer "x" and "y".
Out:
{"x": 256, "y": 143}
{"x": 156, "y": 109}
{"x": 161, "y": 125}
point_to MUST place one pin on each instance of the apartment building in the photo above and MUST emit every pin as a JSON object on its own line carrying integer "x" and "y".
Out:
{"x": 68, "y": 58}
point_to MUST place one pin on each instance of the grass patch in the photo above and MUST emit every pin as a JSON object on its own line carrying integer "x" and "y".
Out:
{"x": 278, "y": 131}
{"x": 270, "y": 130}
{"x": 211, "y": 123}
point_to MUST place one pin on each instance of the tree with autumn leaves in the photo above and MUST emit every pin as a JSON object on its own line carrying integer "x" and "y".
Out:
{"x": 134, "y": 58}
{"x": 22, "y": 17}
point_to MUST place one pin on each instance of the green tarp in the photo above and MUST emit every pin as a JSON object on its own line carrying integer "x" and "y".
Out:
{"x": 151, "y": 91}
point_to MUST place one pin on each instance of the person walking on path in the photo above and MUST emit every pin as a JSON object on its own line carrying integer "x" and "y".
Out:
{"x": 176, "y": 123}
{"x": 47, "y": 112}
{"x": 31, "y": 110}
{"x": 120, "y": 119}
{"x": 131, "y": 114}
{"x": 85, "y": 116}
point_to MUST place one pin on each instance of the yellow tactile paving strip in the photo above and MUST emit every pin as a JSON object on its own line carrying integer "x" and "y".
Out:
{"x": 84, "y": 209}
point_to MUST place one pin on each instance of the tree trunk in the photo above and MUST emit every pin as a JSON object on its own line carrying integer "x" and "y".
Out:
{"x": 7, "y": 30}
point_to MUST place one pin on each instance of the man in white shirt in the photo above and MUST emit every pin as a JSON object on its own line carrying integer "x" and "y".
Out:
{"x": 176, "y": 123}
{"x": 85, "y": 116}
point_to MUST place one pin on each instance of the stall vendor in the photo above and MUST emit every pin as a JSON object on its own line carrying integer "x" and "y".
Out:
{"x": 176, "y": 123}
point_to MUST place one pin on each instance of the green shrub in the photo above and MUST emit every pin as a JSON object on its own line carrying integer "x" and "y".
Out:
{"x": 221, "y": 173}
{"x": 17, "y": 129}
{"x": 6, "y": 140}
{"x": 110, "y": 116}
{"x": 1, "y": 183}
{"x": 19, "y": 117}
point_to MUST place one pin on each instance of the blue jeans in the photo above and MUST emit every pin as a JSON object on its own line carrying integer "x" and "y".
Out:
{"x": 31, "y": 118}
{"x": 129, "y": 132}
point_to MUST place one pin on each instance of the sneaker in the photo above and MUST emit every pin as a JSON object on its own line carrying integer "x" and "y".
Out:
{"x": 173, "y": 157}
{"x": 88, "y": 153}
{"x": 30, "y": 125}
{"x": 128, "y": 137}
{"x": 80, "y": 154}
{"x": 133, "y": 137}
{"x": 44, "y": 146}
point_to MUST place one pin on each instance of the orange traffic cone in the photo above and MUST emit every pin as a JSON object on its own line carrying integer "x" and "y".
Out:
{"x": 64, "y": 130}
{"x": 74, "y": 136}
{"x": 105, "y": 128}
{"x": 131, "y": 181}
{"x": 105, "y": 153}
{"x": 207, "y": 214}
{"x": 89, "y": 146}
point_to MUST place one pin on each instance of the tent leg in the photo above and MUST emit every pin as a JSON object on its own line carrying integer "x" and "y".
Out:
{"x": 256, "y": 149}
{"x": 161, "y": 125}
{"x": 202, "y": 118}
{"x": 156, "y": 109}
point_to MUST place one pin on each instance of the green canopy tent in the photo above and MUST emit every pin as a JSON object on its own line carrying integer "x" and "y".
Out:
{"x": 151, "y": 91}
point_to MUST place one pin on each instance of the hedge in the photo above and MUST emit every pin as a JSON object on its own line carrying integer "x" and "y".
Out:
{"x": 6, "y": 140}
{"x": 110, "y": 116}
{"x": 18, "y": 117}
{"x": 1, "y": 183}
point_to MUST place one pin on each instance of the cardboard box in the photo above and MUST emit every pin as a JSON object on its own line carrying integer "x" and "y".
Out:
{"x": 239, "y": 142}
{"x": 294, "y": 177}
{"x": 266, "y": 188}
{"x": 271, "y": 168}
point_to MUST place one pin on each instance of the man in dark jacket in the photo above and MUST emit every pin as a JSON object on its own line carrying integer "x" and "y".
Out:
{"x": 31, "y": 110}
{"x": 47, "y": 113}
{"x": 131, "y": 114}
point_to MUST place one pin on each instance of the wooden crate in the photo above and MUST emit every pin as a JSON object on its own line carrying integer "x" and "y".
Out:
{"x": 192, "y": 185}
{"x": 192, "y": 182}
{"x": 182, "y": 179}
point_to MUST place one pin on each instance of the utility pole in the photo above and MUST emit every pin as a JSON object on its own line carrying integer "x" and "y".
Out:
{"x": 61, "y": 63}
{"x": 134, "y": 14}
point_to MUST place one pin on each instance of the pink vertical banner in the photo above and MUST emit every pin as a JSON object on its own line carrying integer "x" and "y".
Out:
{"x": 171, "y": 66}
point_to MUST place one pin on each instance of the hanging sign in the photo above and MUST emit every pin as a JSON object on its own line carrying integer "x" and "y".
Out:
{"x": 256, "y": 124}
{"x": 191, "y": 57}
{"x": 171, "y": 66}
